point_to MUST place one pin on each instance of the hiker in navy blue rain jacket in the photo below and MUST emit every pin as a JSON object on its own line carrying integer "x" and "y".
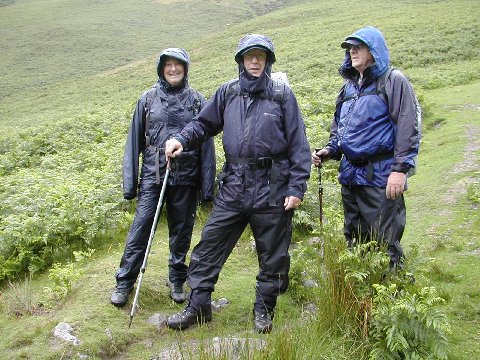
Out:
{"x": 376, "y": 140}
{"x": 161, "y": 112}
{"x": 263, "y": 180}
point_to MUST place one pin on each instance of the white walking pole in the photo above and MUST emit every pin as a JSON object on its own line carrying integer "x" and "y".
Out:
{"x": 149, "y": 245}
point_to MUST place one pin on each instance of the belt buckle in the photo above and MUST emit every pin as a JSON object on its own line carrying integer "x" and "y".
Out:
{"x": 359, "y": 163}
{"x": 264, "y": 162}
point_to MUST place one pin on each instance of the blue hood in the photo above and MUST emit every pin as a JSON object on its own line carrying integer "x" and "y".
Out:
{"x": 378, "y": 48}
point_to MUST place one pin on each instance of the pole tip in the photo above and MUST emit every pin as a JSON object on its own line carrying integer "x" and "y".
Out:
{"x": 130, "y": 322}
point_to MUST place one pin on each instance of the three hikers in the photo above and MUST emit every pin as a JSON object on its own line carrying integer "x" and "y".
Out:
{"x": 375, "y": 134}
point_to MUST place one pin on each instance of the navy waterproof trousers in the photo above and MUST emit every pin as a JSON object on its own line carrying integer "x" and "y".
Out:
{"x": 369, "y": 215}
{"x": 272, "y": 233}
{"x": 181, "y": 205}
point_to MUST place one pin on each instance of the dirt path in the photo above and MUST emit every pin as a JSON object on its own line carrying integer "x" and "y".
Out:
{"x": 469, "y": 163}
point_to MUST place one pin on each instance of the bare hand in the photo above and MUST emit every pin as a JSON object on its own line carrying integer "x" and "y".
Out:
{"x": 318, "y": 157}
{"x": 173, "y": 148}
{"x": 291, "y": 202}
{"x": 395, "y": 185}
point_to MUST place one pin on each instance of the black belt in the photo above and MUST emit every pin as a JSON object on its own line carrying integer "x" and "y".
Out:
{"x": 263, "y": 162}
{"x": 369, "y": 163}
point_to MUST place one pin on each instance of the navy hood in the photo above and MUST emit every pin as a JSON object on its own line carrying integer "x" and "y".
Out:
{"x": 253, "y": 41}
{"x": 249, "y": 83}
{"x": 375, "y": 41}
{"x": 176, "y": 53}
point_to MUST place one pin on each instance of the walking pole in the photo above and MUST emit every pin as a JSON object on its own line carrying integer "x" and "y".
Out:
{"x": 147, "y": 251}
{"x": 320, "y": 190}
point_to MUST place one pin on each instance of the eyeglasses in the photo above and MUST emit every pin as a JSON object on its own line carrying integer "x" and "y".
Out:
{"x": 259, "y": 54}
{"x": 357, "y": 47}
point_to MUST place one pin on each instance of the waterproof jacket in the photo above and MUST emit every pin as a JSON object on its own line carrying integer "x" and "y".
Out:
{"x": 170, "y": 110}
{"x": 364, "y": 130}
{"x": 254, "y": 126}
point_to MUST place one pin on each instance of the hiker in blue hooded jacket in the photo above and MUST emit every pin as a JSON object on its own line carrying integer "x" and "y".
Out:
{"x": 377, "y": 142}
{"x": 264, "y": 179}
{"x": 161, "y": 112}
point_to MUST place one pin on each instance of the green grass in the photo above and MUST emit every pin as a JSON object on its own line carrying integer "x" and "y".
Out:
{"x": 73, "y": 39}
{"x": 63, "y": 58}
{"x": 88, "y": 310}
{"x": 72, "y": 73}
{"x": 442, "y": 222}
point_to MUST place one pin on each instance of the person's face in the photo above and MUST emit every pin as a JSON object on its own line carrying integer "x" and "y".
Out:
{"x": 254, "y": 61}
{"x": 173, "y": 71}
{"x": 361, "y": 57}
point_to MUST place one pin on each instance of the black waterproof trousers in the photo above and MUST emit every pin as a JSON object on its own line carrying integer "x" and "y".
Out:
{"x": 369, "y": 215}
{"x": 272, "y": 233}
{"x": 181, "y": 205}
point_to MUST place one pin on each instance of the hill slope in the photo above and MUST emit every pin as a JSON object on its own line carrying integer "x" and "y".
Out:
{"x": 78, "y": 153}
{"x": 444, "y": 218}
{"x": 56, "y": 53}
{"x": 448, "y": 239}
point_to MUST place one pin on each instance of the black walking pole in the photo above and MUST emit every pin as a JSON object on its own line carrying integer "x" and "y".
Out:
{"x": 149, "y": 245}
{"x": 320, "y": 190}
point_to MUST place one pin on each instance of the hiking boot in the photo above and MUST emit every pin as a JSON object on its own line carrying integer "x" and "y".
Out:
{"x": 120, "y": 296}
{"x": 183, "y": 320}
{"x": 176, "y": 292}
{"x": 262, "y": 321}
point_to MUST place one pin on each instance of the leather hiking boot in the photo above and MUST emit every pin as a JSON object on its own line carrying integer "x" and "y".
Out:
{"x": 176, "y": 292}
{"x": 120, "y": 296}
{"x": 183, "y": 320}
{"x": 262, "y": 321}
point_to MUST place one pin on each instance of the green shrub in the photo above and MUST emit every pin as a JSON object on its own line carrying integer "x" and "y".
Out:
{"x": 379, "y": 308}
{"x": 64, "y": 199}
{"x": 305, "y": 265}
{"x": 65, "y": 276}
{"x": 407, "y": 325}
{"x": 345, "y": 281}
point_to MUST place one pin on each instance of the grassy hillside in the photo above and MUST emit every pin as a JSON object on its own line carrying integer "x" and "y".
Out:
{"x": 444, "y": 219}
{"x": 62, "y": 81}
{"x": 442, "y": 243}
{"x": 79, "y": 125}
{"x": 46, "y": 42}
{"x": 57, "y": 56}
{"x": 60, "y": 178}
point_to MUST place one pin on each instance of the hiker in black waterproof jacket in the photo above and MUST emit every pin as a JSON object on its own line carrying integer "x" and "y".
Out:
{"x": 264, "y": 179}
{"x": 161, "y": 112}
{"x": 377, "y": 140}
